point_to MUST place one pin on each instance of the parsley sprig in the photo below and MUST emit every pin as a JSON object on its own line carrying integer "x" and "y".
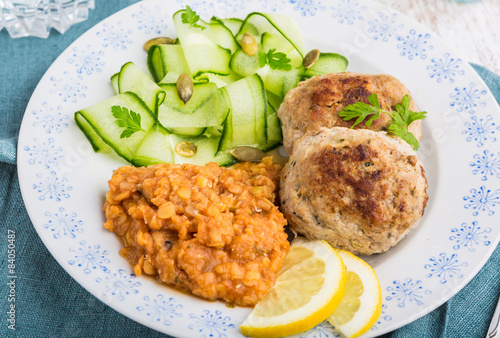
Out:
{"x": 190, "y": 17}
{"x": 127, "y": 119}
{"x": 275, "y": 60}
{"x": 401, "y": 118}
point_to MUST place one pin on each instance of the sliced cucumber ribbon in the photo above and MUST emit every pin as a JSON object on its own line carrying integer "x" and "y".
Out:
{"x": 234, "y": 101}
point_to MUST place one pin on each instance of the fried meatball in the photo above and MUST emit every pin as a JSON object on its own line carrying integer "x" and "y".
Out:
{"x": 360, "y": 190}
{"x": 316, "y": 102}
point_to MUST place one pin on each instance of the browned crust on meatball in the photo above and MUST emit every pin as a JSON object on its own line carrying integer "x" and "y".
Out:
{"x": 360, "y": 190}
{"x": 316, "y": 102}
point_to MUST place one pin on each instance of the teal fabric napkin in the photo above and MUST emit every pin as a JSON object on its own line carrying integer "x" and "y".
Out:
{"x": 49, "y": 303}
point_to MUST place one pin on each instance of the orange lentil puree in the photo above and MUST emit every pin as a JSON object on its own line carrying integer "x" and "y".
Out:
{"x": 211, "y": 230}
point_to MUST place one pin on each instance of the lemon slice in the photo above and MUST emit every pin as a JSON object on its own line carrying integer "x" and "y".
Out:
{"x": 362, "y": 302}
{"x": 308, "y": 288}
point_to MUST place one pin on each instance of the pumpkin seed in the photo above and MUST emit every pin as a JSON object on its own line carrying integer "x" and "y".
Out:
{"x": 311, "y": 58}
{"x": 161, "y": 40}
{"x": 186, "y": 149}
{"x": 249, "y": 45}
{"x": 184, "y": 87}
{"x": 248, "y": 154}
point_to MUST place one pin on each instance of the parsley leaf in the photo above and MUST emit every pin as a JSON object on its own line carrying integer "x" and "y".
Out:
{"x": 405, "y": 115}
{"x": 275, "y": 60}
{"x": 127, "y": 119}
{"x": 190, "y": 17}
{"x": 361, "y": 110}
{"x": 401, "y": 130}
{"x": 402, "y": 117}
{"x": 262, "y": 59}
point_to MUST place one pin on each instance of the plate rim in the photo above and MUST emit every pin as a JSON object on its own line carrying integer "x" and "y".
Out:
{"x": 74, "y": 274}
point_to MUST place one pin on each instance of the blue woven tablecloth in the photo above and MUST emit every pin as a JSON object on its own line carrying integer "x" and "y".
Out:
{"x": 49, "y": 303}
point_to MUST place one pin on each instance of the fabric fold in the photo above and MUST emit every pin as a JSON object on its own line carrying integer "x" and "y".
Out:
{"x": 52, "y": 304}
{"x": 8, "y": 150}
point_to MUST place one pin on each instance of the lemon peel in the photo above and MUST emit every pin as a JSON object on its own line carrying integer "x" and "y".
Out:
{"x": 308, "y": 288}
{"x": 362, "y": 302}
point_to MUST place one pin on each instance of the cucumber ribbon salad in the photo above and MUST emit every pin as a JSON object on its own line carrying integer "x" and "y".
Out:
{"x": 216, "y": 87}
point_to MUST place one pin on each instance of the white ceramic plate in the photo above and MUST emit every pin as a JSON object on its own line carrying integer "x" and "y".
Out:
{"x": 63, "y": 182}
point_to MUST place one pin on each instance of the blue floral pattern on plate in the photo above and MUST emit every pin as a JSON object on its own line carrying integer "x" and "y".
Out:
{"x": 486, "y": 164}
{"x": 445, "y": 68}
{"x": 468, "y": 98}
{"x": 470, "y": 236}
{"x": 383, "y": 317}
{"x": 481, "y": 130}
{"x": 307, "y": 7}
{"x": 272, "y": 6}
{"x": 323, "y": 330}
{"x": 210, "y": 324}
{"x": 384, "y": 27}
{"x": 482, "y": 200}
{"x": 150, "y": 20}
{"x": 407, "y": 290}
{"x": 414, "y": 45}
{"x": 86, "y": 60}
{"x": 89, "y": 257}
{"x": 44, "y": 153}
{"x": 61, "y": 223}
{"x": 348, "y": 11}
{"x": 229, "y": 6}
{"x": 118, "y": 284}
{"x": 69, "y": 88}
{"x": 50, "y": 119}
{"x": 161, "y": 310}
{"x": 117, "y": 37}
{"x": 52, "y": 187}
{"x": 445, "y": 267}
{"x": 204, "y": 8}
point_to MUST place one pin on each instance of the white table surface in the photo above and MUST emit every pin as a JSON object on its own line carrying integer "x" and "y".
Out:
{"x": 472, "y": 30}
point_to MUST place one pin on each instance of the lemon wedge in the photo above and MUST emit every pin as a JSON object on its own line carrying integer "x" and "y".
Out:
{"x": 308, "y": 288}
{"x": 362, "y": 302}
